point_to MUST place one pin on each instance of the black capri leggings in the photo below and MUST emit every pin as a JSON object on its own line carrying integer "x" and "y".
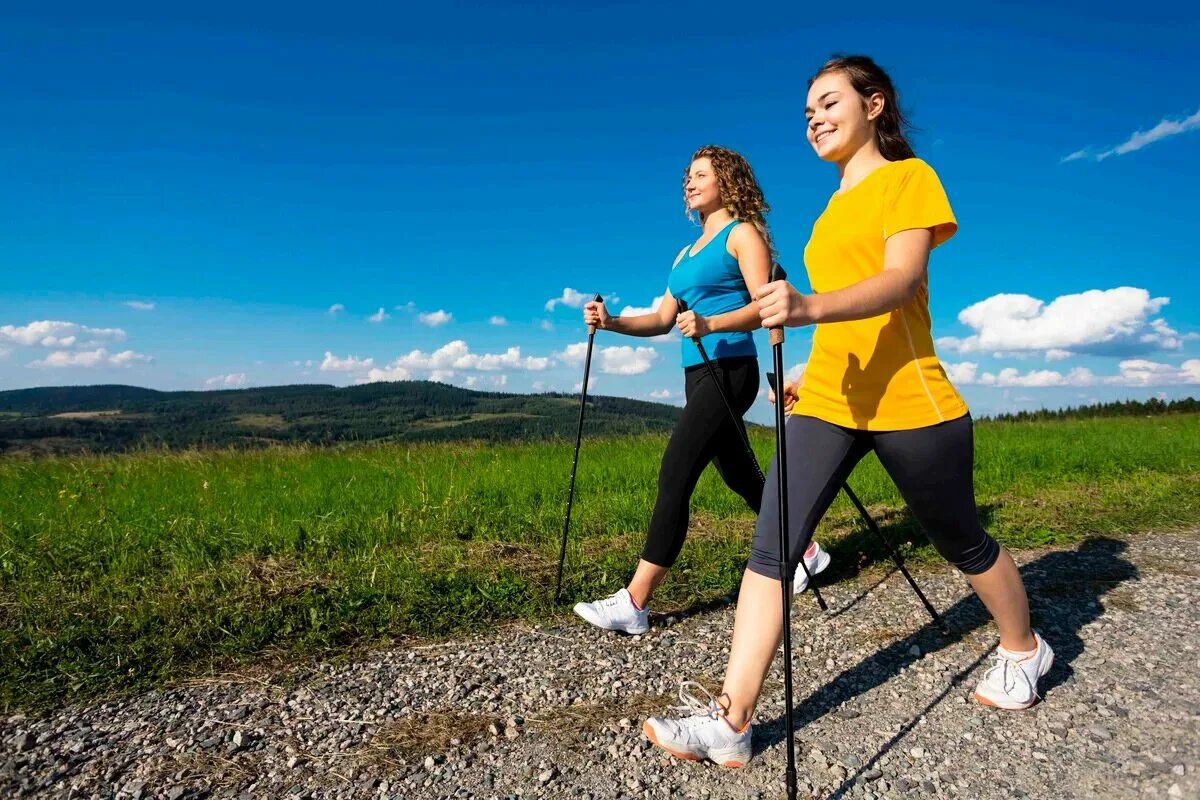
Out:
{"x": 704, "y": 433}
{"x": 931, "y": 466}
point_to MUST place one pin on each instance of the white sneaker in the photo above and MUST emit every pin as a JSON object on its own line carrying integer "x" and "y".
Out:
{"x": 702, "y": 733}
{"x": 817, "y": 562}
{"x": 1012, "y": 681}
{"x": 616, "y": 613}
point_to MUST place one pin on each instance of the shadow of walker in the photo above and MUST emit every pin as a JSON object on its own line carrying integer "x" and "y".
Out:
{"x": 1064, "y": 590}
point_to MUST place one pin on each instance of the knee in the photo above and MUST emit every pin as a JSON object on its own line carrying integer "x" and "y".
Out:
{"x": 978, "y": 558}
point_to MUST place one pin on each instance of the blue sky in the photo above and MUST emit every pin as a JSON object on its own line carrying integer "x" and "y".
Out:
{"x": 230, "y": 197}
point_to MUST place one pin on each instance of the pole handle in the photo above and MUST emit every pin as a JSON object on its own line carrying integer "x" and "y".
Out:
{"x": 592, "y": 328}
{"x": 778, "y": 273}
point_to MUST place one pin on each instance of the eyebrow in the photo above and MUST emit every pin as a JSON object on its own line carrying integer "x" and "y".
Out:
{"x": 807, "y": 109}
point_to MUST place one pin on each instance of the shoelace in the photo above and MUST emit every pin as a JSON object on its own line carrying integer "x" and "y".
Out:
{"x": 697, "y": 710}
{"x": 1007, "y": 665}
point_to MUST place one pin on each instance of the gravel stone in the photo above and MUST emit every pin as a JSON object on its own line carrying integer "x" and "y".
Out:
{"x": 883, "y": 706}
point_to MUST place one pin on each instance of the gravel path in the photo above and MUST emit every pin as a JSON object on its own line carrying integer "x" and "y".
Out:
{"x": 883, "y": 707}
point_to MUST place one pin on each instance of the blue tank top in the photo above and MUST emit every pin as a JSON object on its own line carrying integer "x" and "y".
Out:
{"x": 711, "y": 283}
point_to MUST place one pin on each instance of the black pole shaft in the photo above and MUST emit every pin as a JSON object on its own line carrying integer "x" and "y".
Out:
{"x": 778, "y": 274}
{"x": 896, "y": 558}
{"x": 733, "y": 417}
{"x": 781, "y": 472}
{"x": 587, "y": 367}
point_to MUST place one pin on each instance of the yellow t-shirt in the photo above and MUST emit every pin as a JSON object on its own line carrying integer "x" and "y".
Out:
{"x": 879, "y": 373}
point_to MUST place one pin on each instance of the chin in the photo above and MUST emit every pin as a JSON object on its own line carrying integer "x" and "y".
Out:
{"x": 827, "y": 155}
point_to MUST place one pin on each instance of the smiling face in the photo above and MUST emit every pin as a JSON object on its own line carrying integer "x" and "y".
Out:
{"x": 700, "y": 190}
{"x": 840, "y": 122}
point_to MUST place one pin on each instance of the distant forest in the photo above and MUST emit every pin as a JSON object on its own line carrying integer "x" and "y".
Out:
{"x": 1120, "y": 408}
{"x": 111, "y": 419}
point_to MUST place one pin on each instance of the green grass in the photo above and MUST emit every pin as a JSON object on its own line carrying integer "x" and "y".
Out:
{"x": 120, "y": 573}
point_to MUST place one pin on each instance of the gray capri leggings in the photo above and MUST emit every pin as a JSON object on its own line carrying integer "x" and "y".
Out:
{"x": 931, "y": 466}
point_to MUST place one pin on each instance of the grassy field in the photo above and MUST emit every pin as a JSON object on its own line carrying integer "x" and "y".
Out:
{"x": 119, "y": 573}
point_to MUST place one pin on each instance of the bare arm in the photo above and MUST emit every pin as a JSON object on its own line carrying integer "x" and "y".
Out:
{"x": 905, "y": 261}
{"x": 656, "y": 323}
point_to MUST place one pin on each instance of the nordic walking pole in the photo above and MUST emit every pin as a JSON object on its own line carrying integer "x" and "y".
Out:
{"x": 897, "y": 559}
{"x": 733, "y": 417}
{"x": 587, "y": 367}
{"x": 777, "y": 337}
{"x": 893, "y": 553}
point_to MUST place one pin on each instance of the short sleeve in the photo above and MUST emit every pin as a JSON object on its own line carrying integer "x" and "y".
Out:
{"x": 917, "y": 200}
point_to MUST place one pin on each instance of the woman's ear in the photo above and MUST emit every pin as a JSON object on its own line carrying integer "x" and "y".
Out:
{"x": 875, "y": 105}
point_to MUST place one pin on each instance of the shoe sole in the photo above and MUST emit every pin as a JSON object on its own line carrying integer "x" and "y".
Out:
{"x": 649, "y": 732}
{"x": 1036, "y": 698}
{"x": 594, "y": 624}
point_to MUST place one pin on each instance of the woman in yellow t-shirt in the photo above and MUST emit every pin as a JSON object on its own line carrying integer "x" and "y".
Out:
{"x": 872, "y": 383}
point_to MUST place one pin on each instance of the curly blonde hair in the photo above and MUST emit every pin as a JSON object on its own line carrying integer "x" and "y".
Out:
{"x": 740, "y": 192}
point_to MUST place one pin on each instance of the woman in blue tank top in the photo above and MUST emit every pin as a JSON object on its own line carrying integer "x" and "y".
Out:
{"x": 716, "y": 277}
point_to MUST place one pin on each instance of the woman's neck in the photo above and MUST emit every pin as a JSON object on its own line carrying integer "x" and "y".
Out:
{"x": 715, "y": 220}
{"x": 863, "y": 162}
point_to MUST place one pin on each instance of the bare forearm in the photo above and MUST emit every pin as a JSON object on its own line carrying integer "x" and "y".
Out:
{"x": 871, "y": 297}
{"x": 743, "y": 319}
{"x": 640, "y": 325}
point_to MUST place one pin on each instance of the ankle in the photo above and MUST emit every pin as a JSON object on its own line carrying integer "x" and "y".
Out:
{"x": 1025, "y": 645}
{"x": 639, "y": 601}
{"x": 737, "y": 717}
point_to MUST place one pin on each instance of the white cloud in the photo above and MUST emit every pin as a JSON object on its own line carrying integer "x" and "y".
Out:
{"x": 336, "y": 309}
{"x": 660, "y": 394}
{"x": 1139, "y": 372}
{"x": 4, "y": 352}
{"x": 379, "y": 316}
{"x": 447, "y": 361}
{"x": 435, "y": 318}
{"x": 1131, "y": 372}
{"x": 1102, "y": 322}
{"x": 410, "y": 307}
{"x": 348, "y": 364}
{"x": 233, "y": 380}
{"x": 127, "y": 357}
{"x": 634, "y": 311}
{"x": 1167, "y": 127}
{"x": 56, "y": 333}
{"x": 962, "y": 373}
{"x": 622, "y": 360}
{"x": 387, "y": 374}
{"x": 546, "y": 325}
{"x": 569, "y": 298}
{"x": 579, "y": 384}
{"x": 498, "y": 321}
{"x": 90, "y": 358}
{"x": 140, "y": 305}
